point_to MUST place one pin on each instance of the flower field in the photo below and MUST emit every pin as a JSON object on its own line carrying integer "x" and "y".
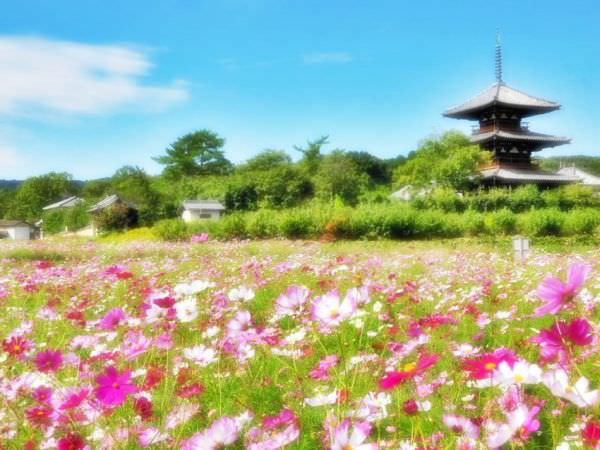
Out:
{"x": 300, "y": 345}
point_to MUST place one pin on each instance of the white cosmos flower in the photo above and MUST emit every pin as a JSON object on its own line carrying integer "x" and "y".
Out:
{"x": 521, "y": 373}
{"x": 241, "y": 293}
{"x": 193, "y": 288}
{"x": 579, "y": 394}
{"x": 186, "y": 309}
{"x": 322, "y": 399}
{"x": 201, "y": 355}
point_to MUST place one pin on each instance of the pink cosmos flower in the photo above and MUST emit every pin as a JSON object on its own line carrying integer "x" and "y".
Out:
{"x": 202, "y": 237}
{"x": 330, "y": 310}
{"x": 555, "y": 340}
{"x": 72, "y": 441}
{"x": 462, "y": 425}
{"x": 112, "y": 319}
{"x": 223, "y": 431}
{"x": 321, "y": 372}
{"x": 290, "y": 302}
{"x": 484, "y": 366}
{"x": 49, "y": 360}
{"x": 557, "y": 294}
{"x": 410, "y": 370}
{"x": 114, "y": 387}
{"x": 343, "y": 437}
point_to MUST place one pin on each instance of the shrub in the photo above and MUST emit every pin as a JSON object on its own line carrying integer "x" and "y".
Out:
{"x": 447, "y": 200}
{"x": 525, "y": 198}
{"x": 543, "y": 222}
{"x": 232, "y": 226}
{"x": 54, "y": 221}
{"x": 582, "y": 222}
{"x": 262, "y": 224}
{"x": 502, "y": 222}
{"x": 299, "y": 224}
{"x": 171, "y": 230}
{"x": 473, "y": 223}
{"x": 116, "y": 217}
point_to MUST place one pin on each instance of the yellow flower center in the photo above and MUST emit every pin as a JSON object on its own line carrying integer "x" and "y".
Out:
{"x": 519, "y": 378}
{"x": 490, "y": 366}
{"x": 410, "y": 367}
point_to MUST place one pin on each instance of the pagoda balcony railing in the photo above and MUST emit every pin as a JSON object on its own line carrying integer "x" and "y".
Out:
{"x": 477, "y": 129}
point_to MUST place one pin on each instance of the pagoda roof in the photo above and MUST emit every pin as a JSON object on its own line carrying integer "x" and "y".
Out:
{"x": 546, "y": 139}
{"x": 503, "y": 95}
{"x": 526, "y": 176}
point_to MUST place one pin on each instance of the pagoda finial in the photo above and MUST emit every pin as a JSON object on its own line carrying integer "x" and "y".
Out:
{"x": 498, "y": 57}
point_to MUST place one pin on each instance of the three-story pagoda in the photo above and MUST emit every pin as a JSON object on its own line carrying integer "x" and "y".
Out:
{"x": 500, "y": 111}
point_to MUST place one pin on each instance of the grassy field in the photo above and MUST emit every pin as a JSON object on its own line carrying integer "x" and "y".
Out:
{"x": 299, "y": 344}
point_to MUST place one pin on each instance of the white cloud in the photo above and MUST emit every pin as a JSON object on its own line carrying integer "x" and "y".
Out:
{"x": 44, "y": 76}
{"x": 327, "y": 58}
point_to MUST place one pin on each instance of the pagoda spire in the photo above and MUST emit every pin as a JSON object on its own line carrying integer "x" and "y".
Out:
{"x": 498, "y": 57}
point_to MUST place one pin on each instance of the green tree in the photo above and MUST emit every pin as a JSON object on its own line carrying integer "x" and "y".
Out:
{"x": 37, "y": 192}
{"x": 377, "y": 169}
{"x": 311, "y": 155}
{"x": 266, "y": 160}
{"x": 134, "y": 185}
{"x": 197, "y": 153}
{"x": 338, "y": 177}
{"x": 449, "y": 160}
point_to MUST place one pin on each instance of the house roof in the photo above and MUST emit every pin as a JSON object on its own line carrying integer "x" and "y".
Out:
{"x": 214, "y": 205}
{"x": 502, "y": 94}
{"x": 529, "y": 136}
{"x": 13, "y": 223}
{"x": 586, "y": 178}
{"x": 66, "y": 203}
{"x": 527, "y": 175}
{"x": 108, "y": 201}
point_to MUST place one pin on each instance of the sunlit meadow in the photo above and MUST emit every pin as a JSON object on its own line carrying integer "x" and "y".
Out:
{"x": 300, "y": 345}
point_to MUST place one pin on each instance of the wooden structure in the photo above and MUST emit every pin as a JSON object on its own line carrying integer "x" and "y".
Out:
{"x": 499, "y": 111}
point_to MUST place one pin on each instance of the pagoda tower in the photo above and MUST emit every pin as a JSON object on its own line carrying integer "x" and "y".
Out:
{"x": 499, "y": 111}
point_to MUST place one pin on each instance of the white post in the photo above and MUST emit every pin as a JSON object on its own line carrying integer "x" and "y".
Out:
{"x": 521, "y": 247}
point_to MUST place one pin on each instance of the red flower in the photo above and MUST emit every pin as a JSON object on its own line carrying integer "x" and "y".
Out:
{"x": 48, "y": 361}
{"x": 114, "y": 387}
{"x": 483, "y": 366}
{"x": 39, "y": 415}
{"x": 154, "y": 376}
{"x": 394, "y": 378}
{"x": 410, "y": 407}
{"x": 71, "y": 441}
{"x": 143, "y": 407}
{"x": 591, "y": 434}
{"x": 190, "y": 390}
{"x": 16, "y": 346}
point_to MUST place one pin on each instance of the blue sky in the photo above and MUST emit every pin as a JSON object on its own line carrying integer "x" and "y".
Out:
{"x": 88, "y": 86}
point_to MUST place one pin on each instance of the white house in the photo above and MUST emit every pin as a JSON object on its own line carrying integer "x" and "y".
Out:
{"x": 65, "y": 203}
{"x": 585, "y": 178}
{"x": 15, "y": 229}
{"x": 201, "y": 209}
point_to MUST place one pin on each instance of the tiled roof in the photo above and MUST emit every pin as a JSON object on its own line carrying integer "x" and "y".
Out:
{"x": 520, "y": 136}
{"x": 586, "y": 178}
{"x": 108, "y": 201}
{"x": 66, "y": 203}
{"x": 500, "y": 93}
{"x": 12, "y": 223}
{"x": 527, "y": 175}
{"x": 203, "y": 204}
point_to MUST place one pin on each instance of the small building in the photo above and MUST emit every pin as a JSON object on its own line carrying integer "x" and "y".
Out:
{"x": 585, "y": 178}
{"x": 65, "y": 203}
{"x": 201, "y": 209}
{"x": 108, "y": 202}
{"x": 15, "y": 229}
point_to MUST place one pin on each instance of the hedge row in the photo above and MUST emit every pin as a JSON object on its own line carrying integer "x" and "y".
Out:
{"x": 384, "y": 222}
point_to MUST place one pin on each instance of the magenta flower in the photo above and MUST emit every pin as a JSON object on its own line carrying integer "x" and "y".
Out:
{"x": 112, "y": 319}
{"x": 202, "y": 237}
{"x": 48, "y": 361}
{"x": 114, "y": 387}
{"x": 410, "y": 370}
{"x": 557, "y": 294}
{"x": 554, "y": 341}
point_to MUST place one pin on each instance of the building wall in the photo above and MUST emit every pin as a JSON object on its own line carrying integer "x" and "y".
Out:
{"x": 189, "y": 215}
{"x": 18, "y": 233}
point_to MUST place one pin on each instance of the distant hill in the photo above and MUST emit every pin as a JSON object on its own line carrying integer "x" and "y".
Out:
{"x": 10, "y": 184}
{"x": 590, "y": 164}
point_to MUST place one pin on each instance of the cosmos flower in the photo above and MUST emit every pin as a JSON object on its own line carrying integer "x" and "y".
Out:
{"x": 579, "y": 394}
{"x": 347, "y": 436}
{"x": 591, "y": 434}
{"x": 201, "y": 355}
{"x": 520, "y": 372}
{"x": 330, "y": 310}
{"x": 223, "y": 431}
{"x": 554, "y": 341}
{"x": 198, "y": 238}
{"x": 522, "y": 420}
{"x": 291, "y": 301}
{"x": 394, "y": 378}
{"x": 461, "y": 425}
{"x": 186, "y": 309}
{"x": 114, "y": 387}
{"x": 72, "y": 441}
{"x": 48, "y": 360}
{"x": 557, "y": 294}
{"x": 483, "y": 366}
{"x": 112, "y": 319}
